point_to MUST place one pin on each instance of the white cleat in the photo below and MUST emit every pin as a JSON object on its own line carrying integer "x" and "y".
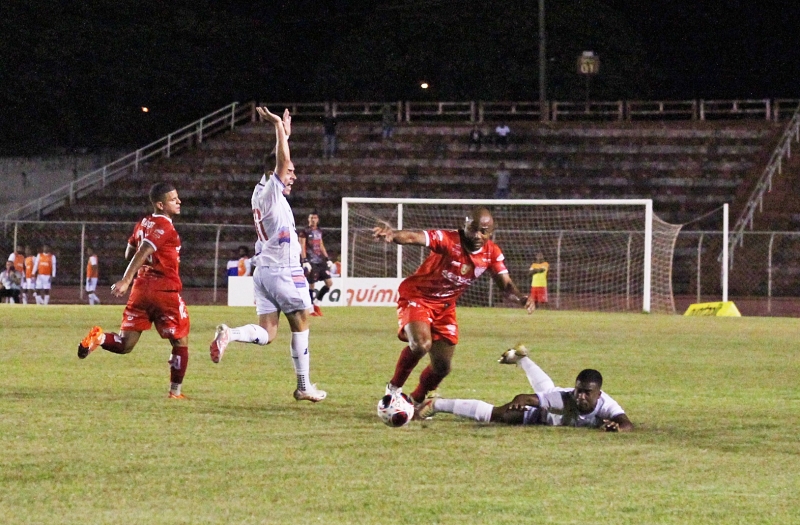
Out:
{"x": 513, "y": 355}
{"x": 220, "y": 343}
{"x": 311, "y": 393}
{"x": 392, "y": 390}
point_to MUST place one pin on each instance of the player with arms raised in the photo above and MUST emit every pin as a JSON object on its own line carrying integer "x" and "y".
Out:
{"x": 155, "y": 296}
{"x": 278, "y": 279}
{"x": 426, "y": 309}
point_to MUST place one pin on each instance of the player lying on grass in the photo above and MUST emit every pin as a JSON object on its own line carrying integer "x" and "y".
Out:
{"x": 583, "y": 406}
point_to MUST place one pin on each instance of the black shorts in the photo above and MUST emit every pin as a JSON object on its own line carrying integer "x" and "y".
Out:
{"x": 319, "y": 272}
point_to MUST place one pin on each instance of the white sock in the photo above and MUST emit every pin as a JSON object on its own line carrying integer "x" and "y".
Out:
{"x": 175, "y": 388}
{"x": 300, "y": 358}
{"x": 46, "y": 299}
{"x": 24, "y": 298}
{"x": 537, "y": 377}
{"x": 38, "y": 298}
{"x": 444, "y": 405}
{"x": 250, "y": 333}
{"x": 473, "y": 409}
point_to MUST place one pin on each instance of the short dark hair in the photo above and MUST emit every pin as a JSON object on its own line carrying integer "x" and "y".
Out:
{"x": 590, "y": 375}
{"x": 158, "y": 190}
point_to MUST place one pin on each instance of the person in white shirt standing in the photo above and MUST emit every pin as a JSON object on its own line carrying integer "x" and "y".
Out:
{"x": 278, "y": 279}
{"x": 586, "y": 405}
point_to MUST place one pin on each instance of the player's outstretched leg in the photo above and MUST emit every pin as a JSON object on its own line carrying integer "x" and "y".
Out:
{"x": 538, "y": 378}
{"x": 221, "y": 339}
{"x": 89, "y": 344}
{"x": 513, "y": 355}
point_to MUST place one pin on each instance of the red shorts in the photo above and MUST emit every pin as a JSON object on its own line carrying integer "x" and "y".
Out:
{"x": 149, "y": 304}
{"x": 539, "y": 294}
{"x": 440, "y": 316}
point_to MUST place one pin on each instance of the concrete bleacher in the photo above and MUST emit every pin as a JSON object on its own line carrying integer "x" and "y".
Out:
{"x": 687, "y": 168}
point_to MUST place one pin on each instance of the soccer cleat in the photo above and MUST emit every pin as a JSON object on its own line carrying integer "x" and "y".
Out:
{"x": 513, "y": 355}
{"x": 310, "y": 394}
{"x": 392, "y": 390}
{"x": 426, "y": 410}
{"x": 220, "y": 343}
{"x": 316, "y": 312}
{"x": 176, "y": 396}
{"x": 89, "y": 344}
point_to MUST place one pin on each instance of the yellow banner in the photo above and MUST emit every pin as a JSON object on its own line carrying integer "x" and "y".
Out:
{"x": 718, "y": 309}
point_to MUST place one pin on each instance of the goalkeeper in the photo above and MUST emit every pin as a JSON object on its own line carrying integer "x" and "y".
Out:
{"x": 586, "y": 405}
{"x": 316, "y": 264}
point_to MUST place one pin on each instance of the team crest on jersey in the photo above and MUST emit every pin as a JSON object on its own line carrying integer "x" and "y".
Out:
{"x": 465, "y": 268}
{"x": 284, "y": 236}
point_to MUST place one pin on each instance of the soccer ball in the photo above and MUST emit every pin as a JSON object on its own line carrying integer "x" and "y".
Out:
{"x": 395, "y": 410}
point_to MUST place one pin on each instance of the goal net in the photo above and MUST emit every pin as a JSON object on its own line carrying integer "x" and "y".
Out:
{"x": 603, "y": 255}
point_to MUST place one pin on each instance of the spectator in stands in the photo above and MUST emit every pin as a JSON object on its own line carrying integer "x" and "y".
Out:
{"x": 10, "y": 280}
{"x": 387, "y": 120}
{"x": 329, "y": 144}
{"x": 501, "y": 133}
{"x": 503, "y": 177}
{"x": 475, "y": 139}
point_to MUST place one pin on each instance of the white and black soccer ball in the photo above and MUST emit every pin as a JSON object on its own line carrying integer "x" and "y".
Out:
{"x": 395, "y": 410}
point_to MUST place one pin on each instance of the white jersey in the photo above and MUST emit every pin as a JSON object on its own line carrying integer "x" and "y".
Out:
{"x": 557, "y": 408}
{"x": 277, "y": 244}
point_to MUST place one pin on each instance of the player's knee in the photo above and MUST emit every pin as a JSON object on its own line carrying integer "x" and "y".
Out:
{"x": 420, "y": 346}
{"x": 440, "y": 367}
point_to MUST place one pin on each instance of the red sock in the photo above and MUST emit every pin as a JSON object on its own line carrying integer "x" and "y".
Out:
{"x": 428, "y": 382}
{"x": 113, "y": 343}
{"x": 177, "y": 363}
{"x": 405, "y": 365}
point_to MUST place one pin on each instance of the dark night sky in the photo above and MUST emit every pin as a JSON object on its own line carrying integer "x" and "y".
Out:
{"x": 75, "y": 73}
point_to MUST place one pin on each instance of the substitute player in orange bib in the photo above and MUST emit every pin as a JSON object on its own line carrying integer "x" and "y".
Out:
{"x": 426, "y": 309}
{"x": 155, "y": 296}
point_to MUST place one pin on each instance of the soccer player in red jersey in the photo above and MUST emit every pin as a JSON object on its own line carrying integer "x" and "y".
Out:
{"x": 155, "y": 296}
{"x": 426, "y": 309}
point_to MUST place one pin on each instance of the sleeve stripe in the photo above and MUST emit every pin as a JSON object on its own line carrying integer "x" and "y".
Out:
{"x": 148, "y": 241}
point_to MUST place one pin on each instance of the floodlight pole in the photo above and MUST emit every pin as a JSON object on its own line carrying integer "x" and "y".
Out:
{"x": 544, "y": 114}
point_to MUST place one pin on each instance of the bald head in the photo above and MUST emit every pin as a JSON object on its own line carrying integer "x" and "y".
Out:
{"x": 478, "y": 228}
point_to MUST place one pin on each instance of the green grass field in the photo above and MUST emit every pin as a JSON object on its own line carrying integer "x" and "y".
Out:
{"x": 715, "y": 401}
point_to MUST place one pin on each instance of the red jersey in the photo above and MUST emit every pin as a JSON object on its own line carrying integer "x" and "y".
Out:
{"x": 163, "y": 264}
{"x": 449, "y": 268}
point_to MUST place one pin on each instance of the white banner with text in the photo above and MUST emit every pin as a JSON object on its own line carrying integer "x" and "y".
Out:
{"x": 357, "y": 291}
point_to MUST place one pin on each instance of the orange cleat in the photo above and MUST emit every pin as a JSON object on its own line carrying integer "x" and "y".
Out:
{"x": 317, "y": 312}
{"x": 176, "y": 396}
{"x": 89, "y": 344}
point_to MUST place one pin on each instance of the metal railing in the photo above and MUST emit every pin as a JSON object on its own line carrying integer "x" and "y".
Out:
{"x": 764, "y": 184}
{"x": 593, "y": 110}
{"x": 184, "y": 138}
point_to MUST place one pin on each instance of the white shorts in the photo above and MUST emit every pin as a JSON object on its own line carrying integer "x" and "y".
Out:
{"x": 91, "y": 284}
{"x": 42, "y": 282}
{"x": 280, "y": 289}
{"x": 27, "y": 284}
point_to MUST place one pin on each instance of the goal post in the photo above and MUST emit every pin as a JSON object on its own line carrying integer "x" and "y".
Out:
{"x": 603, "y": 254}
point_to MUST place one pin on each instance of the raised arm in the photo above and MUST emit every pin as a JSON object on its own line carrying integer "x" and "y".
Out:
{"x": 388, "y": 234}
{"x": 283, "y": 128}
{"x": 511, "y": 291}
